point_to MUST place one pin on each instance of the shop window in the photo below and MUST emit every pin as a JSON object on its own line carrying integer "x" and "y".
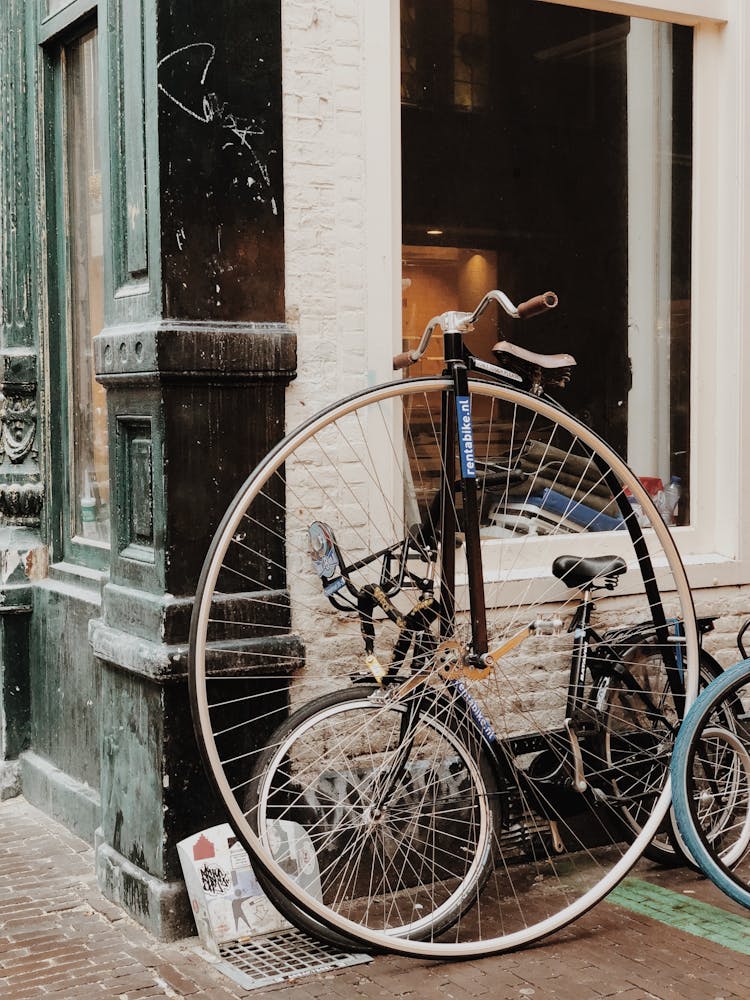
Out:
{"x": 576, "y": 175}
{"x": 79, "y": 470}
{"x": 87, "y": 431}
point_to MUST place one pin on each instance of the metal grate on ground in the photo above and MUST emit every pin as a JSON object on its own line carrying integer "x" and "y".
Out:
{"x": 280, "y": 957}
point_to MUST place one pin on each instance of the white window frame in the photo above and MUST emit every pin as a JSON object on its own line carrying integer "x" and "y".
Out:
{"x": 716, "y": 544}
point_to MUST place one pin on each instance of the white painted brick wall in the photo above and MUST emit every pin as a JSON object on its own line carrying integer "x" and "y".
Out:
{"x": 732, "y": 606}
{"x": 324, "y": 198}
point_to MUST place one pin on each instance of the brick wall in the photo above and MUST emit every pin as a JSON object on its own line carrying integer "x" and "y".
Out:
{"x": 324, "y": 199}
{"x": 324, "y": 181}
{"x": 731, "y": 605}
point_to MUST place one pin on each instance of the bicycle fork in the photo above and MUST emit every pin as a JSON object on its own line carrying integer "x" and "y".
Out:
{"x": 457, "y": 426}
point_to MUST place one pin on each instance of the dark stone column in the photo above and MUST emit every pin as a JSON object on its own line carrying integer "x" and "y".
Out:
{"x": 195, "y": 359}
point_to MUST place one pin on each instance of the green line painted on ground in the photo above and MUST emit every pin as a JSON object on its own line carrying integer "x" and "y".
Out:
{"x": 685, "y": 914}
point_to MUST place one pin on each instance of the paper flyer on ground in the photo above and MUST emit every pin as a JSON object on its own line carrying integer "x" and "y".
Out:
{"x": 227, "y": 900}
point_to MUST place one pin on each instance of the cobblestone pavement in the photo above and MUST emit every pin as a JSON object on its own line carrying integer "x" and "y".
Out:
{"x": 670, "y": 935}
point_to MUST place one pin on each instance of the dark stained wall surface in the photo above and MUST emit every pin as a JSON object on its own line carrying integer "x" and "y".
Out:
{"x": 219, "y": 78}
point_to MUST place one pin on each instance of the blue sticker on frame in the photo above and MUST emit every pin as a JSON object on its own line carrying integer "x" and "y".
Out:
{"x": 466, "y": 438}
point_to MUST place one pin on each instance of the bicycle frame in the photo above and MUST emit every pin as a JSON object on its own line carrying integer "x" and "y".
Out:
{"x": 585, "y": 722}
{"x": 584, "y": 714}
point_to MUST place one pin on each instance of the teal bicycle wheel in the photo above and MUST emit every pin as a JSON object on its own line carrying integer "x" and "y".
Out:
{"x": 711, "y": 782}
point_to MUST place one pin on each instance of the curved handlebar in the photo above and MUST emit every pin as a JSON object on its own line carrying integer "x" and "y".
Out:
{"x": 403, "y": 360}
{"x": 536, "y": 306}
{"x": 458, "y": 322}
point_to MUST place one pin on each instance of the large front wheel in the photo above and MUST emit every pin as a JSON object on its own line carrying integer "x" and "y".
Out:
{"x": 343, "y": 556}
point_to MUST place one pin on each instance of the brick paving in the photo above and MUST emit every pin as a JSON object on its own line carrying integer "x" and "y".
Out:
{"x": 59, "y": 938}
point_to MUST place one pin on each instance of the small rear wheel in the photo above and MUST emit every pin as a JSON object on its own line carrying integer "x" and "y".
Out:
{"x": 399, "y": 809}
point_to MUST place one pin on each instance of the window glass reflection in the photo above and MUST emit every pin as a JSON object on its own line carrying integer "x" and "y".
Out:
{"x": 89, "y": 493}
{"x": 551, "y": 147}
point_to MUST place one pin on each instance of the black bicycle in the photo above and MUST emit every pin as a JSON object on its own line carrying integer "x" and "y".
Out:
{"x": 441, "y": 648}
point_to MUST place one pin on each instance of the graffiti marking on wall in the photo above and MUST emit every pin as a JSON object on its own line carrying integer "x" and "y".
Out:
{"x": 190, "y": 93}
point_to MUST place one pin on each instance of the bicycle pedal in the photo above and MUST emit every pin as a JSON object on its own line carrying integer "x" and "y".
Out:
{"x": 558, "y": 845}
{"x": 452, "y": 664}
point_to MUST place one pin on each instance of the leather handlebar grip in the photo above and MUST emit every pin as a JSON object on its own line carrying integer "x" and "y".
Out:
{"x": 539, "y": 304}
{"x": 402, "y": 360}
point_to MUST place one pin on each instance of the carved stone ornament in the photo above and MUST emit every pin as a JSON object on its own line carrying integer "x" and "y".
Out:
{"x": 21, "y": 503}
{"x": 18, "y": 427}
